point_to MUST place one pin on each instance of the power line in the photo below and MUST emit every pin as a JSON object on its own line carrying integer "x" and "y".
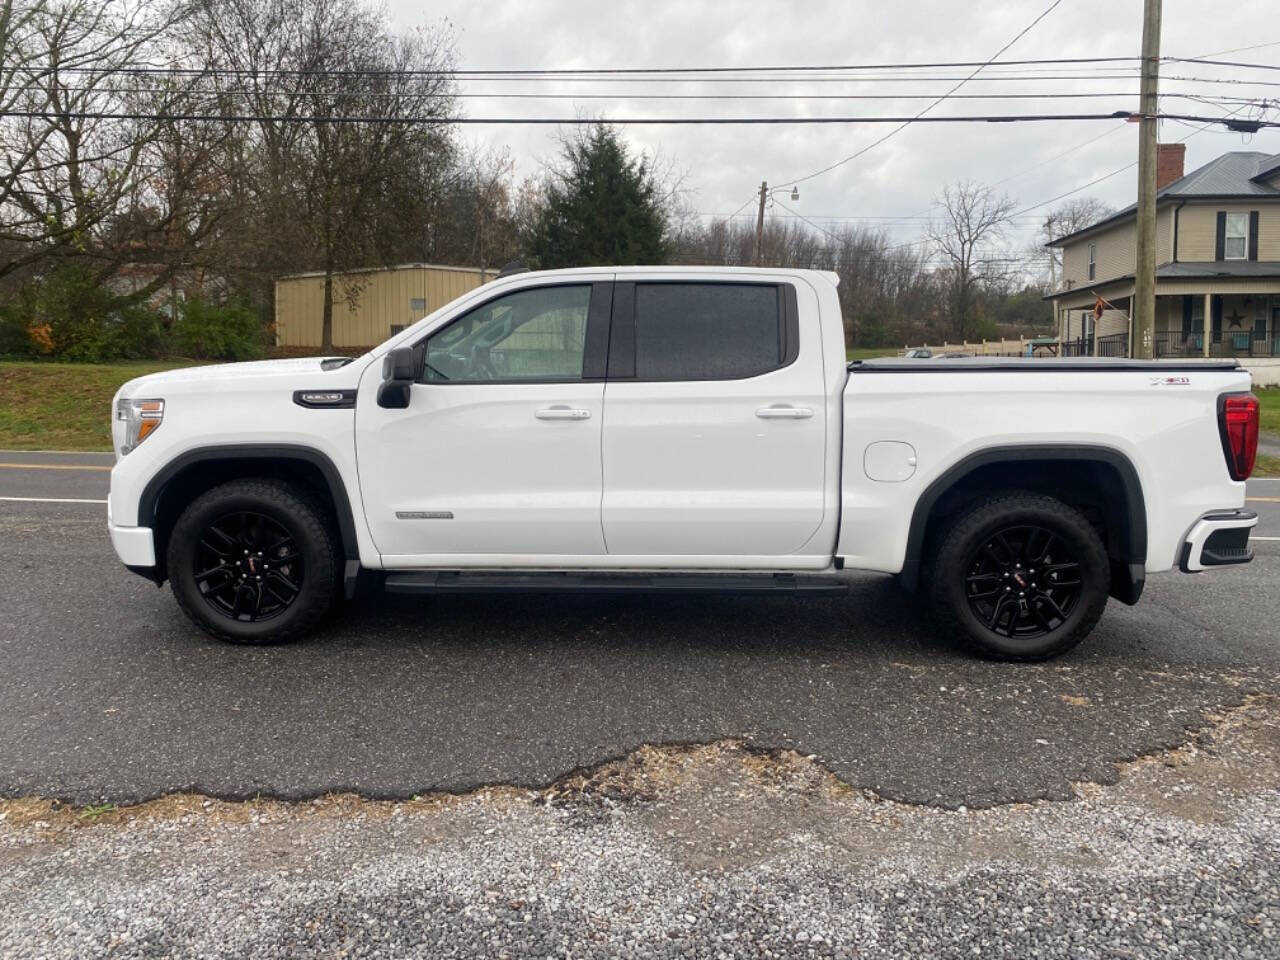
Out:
{"x": 771, "y": 79}
{"x": 1113, "y": 173}
{"x": 240, "y": 92}
{"x": 1079, "y": 146}
{"x": 566, "y": 72}
{"x": 619, "y": 121}
{"x": 1222, "y": 63}
{"x": 609, "y": 71}
{"x": 921, "y": 114}
{"x": 1256, "y": 46}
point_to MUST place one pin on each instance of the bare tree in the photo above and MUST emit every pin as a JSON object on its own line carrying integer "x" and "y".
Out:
{"x": 345, "y": 111}
{"x": 886, "y": 294}
{"x": 74, "y": 171}
{"x": 1075, "y": 214}
{"x": 967, "y": 236}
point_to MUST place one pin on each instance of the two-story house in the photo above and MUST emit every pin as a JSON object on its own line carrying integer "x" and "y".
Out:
{"x": 1217, "y": 256}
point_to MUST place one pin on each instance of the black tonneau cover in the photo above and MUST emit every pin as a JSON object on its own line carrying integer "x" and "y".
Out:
{"x": 1034, "y": 364}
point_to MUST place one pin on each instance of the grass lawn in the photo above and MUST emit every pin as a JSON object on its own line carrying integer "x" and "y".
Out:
{"x": 66, "y": 406}
{"x": 63, "y": 406}
{"x": 1266, "y": 466}
{"x": 1270, "y": 400}
{"x": 868, "y": 353}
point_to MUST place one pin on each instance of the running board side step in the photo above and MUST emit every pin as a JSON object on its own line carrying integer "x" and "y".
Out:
{"x": 432, "y": 581}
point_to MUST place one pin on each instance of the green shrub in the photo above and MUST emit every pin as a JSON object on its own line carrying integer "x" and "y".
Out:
{"x": 67, "y": 315}
{"x": 16, "y": 342}
{"x": 208, "y": 332}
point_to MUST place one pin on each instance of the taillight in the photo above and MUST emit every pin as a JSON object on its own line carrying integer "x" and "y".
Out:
{"x": 1238, "y": 423}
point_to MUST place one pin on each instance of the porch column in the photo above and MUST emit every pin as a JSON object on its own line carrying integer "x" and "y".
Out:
{"x": 1208, "y": 322}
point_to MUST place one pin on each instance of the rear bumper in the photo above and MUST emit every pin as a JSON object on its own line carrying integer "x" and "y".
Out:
{"x": 1218, "y": 540}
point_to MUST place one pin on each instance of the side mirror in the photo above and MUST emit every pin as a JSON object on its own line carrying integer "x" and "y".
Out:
{"x": 399, "y": 371}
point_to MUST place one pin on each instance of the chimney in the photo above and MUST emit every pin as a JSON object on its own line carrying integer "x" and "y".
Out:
{"x": 1169, "y": 163}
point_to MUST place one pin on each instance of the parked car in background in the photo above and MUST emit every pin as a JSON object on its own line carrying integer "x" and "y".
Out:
{"x": 677, "y": 429}
{"x": 918, "y": 353}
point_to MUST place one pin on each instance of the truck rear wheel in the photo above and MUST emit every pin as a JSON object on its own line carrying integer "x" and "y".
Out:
{"x": 254, "y": 562}
{"x": 1020, "y": 576}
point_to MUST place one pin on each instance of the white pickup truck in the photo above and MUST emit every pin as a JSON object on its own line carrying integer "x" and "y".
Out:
{"x": 677, "y": 429}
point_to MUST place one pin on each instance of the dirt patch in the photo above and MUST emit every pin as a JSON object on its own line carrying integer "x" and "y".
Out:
{"x": 1236, "y": 753}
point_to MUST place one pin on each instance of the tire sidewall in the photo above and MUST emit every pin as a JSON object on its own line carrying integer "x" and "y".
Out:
{"x": 297, "y": 517}
{"x": 1065, "y": 523}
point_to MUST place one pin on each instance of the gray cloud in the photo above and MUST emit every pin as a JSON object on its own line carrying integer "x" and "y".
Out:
{"x": 899, "y": 179}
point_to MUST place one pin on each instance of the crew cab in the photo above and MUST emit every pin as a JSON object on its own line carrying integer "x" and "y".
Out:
{"x": 677, "y": 429}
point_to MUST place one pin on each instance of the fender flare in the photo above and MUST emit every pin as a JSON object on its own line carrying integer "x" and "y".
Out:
{"x": 150, "y": 499}
{"x": 1135, "y": 511}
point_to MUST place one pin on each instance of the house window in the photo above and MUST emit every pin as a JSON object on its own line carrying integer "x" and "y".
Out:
{"x": 397, "y": 328}
{"x": 418, "y": 305}
{"x": 1093, "y": 261}
{"x": 1236, "y": 239}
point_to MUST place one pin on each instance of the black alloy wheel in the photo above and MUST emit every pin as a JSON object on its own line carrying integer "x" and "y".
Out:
{"x": 256, "y": 561}
{"x": 1023, "y": 582}
{"x": 1019, "y": 576}
{"x": 248, "y": 566}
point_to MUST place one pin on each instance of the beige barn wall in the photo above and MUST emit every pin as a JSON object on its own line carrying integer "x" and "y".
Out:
{"x": 366, "y": 303}
{"x": 1198, "y": 229}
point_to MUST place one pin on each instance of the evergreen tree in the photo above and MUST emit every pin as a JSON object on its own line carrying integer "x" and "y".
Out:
{"x": 602, "y": 207}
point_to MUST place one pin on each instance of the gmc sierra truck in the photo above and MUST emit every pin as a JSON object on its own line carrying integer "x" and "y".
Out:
{"x": 677, "y": 429}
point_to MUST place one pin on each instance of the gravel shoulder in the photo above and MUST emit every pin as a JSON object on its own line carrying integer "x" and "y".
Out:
{"x": 712, "y": 851}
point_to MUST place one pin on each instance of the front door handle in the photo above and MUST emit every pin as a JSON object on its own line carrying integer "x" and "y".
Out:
{"x": 784, "y": 411}
{"x": 563, "y": 412}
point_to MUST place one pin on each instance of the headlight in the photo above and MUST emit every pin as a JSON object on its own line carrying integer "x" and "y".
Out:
{"x": 140, "y": 418}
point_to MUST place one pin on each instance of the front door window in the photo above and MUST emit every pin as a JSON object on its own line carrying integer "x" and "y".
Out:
{"x": 537, "y": 335}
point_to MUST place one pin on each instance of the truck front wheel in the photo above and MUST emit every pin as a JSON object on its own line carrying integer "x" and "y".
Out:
{"x": 1020, "y": 576}
{"x": 254, "y": 561}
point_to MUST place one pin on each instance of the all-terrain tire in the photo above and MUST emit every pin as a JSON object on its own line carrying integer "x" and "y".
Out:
{"x": 283, "y": 507}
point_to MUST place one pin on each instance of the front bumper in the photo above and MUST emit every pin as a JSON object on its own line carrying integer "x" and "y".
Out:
{"x": 1217, "y": 540}
{"x": 135, "y": 546}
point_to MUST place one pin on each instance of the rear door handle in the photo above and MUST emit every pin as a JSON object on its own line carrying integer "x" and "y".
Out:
{"x": 562, "y": 411}
{"x": 784, "y": 411}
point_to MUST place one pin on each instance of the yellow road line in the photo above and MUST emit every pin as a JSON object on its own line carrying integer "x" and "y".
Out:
{"x": 1262, "y": 499}
{"x": 50, "y": 466}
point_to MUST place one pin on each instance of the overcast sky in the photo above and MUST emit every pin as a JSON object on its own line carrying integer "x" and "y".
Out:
{"x": 896, "y": 183}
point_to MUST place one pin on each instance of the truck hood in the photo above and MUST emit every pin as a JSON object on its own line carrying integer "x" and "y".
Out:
{"x": 225, "y": 373}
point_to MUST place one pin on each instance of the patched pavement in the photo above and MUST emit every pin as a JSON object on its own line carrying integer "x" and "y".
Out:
{"x": 108, "y": 693}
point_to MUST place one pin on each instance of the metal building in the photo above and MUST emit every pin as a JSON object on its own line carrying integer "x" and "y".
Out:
{"x": 368, "y": 305}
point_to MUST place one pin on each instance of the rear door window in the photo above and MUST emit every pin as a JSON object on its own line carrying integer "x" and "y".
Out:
{"x": 708, "y": 331}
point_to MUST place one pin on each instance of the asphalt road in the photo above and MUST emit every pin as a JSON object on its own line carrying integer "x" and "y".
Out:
{"x": 107, "y": 693}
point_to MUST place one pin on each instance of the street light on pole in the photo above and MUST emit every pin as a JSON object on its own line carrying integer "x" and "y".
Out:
{"x": 765, "y": 194}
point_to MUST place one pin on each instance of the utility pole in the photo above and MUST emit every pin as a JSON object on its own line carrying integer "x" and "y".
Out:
{"x": 764, "y": 195}
{"x": 1144, "y": 283}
